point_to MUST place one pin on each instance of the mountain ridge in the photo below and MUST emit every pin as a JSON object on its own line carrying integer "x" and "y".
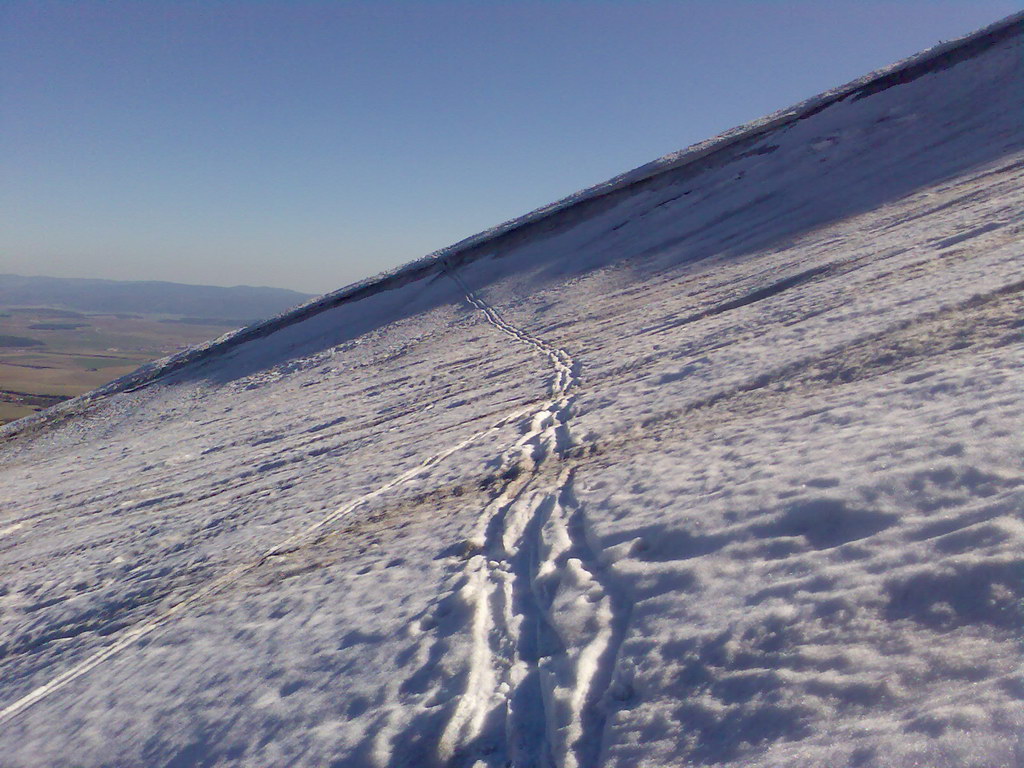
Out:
{"x": 240, "y": 303}
{"x": 934, "y": 59}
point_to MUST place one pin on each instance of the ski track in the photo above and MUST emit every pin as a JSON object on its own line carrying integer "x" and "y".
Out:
{"x": 547, "y": 620}
{"x": 306, "y": 536}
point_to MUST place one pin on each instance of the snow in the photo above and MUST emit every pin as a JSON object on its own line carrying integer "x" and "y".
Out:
{"x": 722, "y": 468}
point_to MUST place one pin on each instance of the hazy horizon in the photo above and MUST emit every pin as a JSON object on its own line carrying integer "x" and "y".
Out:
{"x": 168, "y": 282}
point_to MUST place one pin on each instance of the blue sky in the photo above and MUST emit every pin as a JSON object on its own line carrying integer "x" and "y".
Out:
{"x": 309, "y": 144}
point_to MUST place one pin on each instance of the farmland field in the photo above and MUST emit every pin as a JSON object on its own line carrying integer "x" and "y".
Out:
{"x": 48, "y": 355}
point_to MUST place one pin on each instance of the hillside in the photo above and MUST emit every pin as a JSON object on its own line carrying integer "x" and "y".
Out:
{"x": 717, "y": 464}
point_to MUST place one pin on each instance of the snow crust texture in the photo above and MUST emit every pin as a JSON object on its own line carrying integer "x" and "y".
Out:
{"x": 725, "y": 471}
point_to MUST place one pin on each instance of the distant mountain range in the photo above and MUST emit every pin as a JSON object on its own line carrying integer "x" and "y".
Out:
{"x": 238, "y": 304}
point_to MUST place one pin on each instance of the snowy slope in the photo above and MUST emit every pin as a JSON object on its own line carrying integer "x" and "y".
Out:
{"x": 718, "y": 465}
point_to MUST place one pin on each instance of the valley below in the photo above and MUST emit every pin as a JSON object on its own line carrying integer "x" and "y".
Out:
{"x": 48, "y": 355}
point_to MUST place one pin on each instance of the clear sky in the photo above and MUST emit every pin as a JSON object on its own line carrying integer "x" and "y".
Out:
{"x": 309, "y": 144}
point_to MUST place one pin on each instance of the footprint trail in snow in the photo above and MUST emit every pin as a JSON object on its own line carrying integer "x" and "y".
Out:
{"x": 547, "y": 620}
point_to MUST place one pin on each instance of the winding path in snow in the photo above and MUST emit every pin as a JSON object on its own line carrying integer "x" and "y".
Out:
{"x": 547, "y": 619}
